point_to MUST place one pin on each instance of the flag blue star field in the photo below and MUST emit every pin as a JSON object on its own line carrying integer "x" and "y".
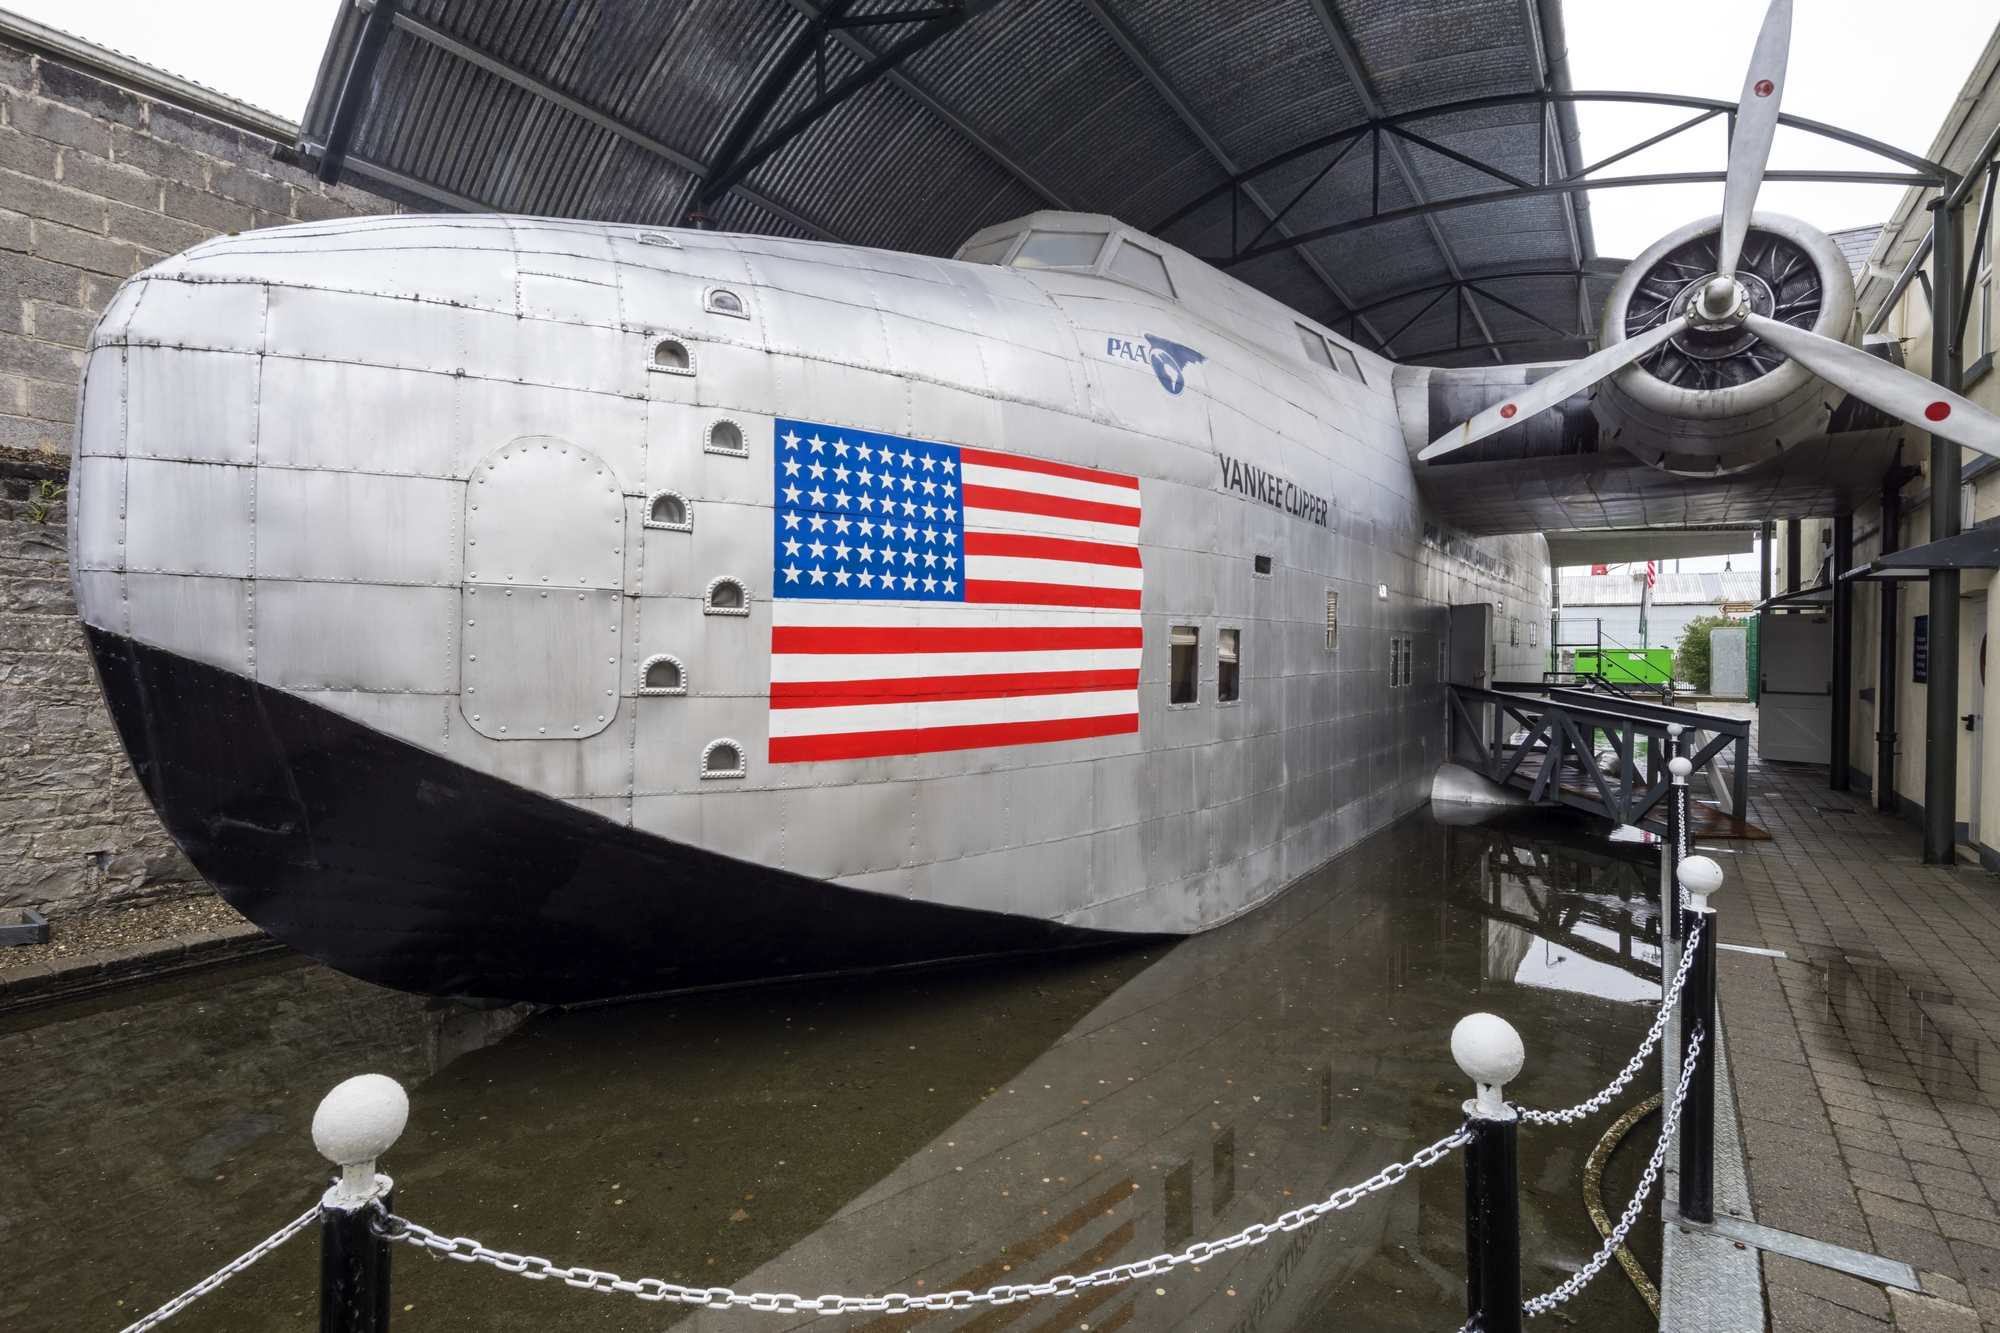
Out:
{"x": 931, "y": 597}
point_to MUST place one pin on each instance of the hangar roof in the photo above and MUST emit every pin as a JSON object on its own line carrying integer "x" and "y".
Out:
{"x": 912, "y": 124}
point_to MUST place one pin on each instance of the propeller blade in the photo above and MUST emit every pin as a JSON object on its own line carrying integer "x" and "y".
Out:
{"x": 1571, "y": 380}
{"x": 1896, "y": 391}
{"x": 1756, "y": 126}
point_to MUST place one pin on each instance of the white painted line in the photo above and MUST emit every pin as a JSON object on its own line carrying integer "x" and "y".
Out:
{"x": 1745, "y": 948}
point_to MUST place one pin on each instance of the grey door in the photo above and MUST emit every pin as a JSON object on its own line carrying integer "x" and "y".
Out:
{"x": 1795, "y": 694}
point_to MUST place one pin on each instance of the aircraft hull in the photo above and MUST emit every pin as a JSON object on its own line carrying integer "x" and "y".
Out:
{"x": 399, "y": 483}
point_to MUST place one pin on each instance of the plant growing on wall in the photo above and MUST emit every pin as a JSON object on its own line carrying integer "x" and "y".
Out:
{"x": 1691, "y": 658}
{"x": 42, "y": 498}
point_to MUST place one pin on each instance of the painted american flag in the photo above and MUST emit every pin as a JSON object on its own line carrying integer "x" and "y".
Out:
{"x": 929, "y": 597}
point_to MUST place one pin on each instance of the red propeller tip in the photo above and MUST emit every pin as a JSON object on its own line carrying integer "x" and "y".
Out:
{"x": 1510, "y": 410}
{"x": 1937, "y": 411}
{"x": 1765, "y": 88}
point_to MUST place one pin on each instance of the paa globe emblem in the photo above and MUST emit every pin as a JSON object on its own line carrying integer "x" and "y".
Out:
{"x": 1170, "y": 361}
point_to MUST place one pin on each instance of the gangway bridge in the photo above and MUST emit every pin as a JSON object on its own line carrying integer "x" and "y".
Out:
{"x": 1601, "y": 751}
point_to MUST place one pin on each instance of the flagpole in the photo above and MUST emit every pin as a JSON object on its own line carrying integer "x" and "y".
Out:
{"x": 1646, "y": 607}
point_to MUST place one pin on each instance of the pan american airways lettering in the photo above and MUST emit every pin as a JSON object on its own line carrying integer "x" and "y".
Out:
{"x": 930, "y": 597}
{"x": 1253, "y": 482}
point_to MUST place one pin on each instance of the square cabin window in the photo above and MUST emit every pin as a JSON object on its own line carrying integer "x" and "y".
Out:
{"x": 1228, "y": 665}
{"x": 1315, "y": 347}
{"x": 1184, "y": 664}
{"x": 1060, "y": 249}
{"x": 1137, "y": 264}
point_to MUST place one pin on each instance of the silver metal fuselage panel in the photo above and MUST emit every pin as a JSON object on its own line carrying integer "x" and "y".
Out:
{"x": 285, "y": 436}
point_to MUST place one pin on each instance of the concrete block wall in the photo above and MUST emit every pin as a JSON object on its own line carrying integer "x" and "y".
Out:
{"x": 96, "y": 183}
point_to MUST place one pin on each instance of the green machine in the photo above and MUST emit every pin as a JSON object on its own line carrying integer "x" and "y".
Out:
{"x": 1628, "y": 666}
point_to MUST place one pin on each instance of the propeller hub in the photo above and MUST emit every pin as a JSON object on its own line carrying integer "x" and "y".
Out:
{"x": 1723, "y": 301}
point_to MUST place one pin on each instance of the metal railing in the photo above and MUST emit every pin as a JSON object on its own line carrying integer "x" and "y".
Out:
{"x": 1551, "y": 742}
{"x": 361, "y": 1119}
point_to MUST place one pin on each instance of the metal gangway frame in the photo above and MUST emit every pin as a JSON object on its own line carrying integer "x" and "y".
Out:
{"x": 1559, "y": 734}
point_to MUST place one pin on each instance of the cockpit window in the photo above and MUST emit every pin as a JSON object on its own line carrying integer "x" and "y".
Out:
{"x": 1137, "y": 264}
{"x": 1060, "y": 249}
{"x": 992, "y": 252}
{"x": 1330, "y": 355}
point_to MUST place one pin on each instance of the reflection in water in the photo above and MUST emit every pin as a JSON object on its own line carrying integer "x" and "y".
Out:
{"x": 915, "y": 1132}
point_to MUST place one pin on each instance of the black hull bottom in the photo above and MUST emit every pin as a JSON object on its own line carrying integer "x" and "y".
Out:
{"x": 395, "y": 865}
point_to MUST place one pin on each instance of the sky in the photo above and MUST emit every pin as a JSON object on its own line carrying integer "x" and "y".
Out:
{"x": 1890, "y": 81}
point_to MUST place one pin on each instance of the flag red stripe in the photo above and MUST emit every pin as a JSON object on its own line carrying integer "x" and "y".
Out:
{"x": 1049, "y": 594}
{"x": 1050, "y": 548}
{"x": 854, "y": 639}
{"x": 936, "y": 740}
{"x": 933, "y": 689}
{"x": 1020, "y": 463}
{"x": 1053, "y": 506}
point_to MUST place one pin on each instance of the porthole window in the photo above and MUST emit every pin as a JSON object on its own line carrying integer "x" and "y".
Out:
{"x": 662, "y": 674}
{"x": 725, "y": 597}
{"x": 672, "y": 357}
{"x": 722, "y": 759}
{"x": 669, "y": 510}
{"x": 722, "y": 301}
{"x": 726, "y": 437}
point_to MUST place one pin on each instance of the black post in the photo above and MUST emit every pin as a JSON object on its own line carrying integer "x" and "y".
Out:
{"x": 1698, "y": 1112}
{"x": 1492, "y": 1226}
{"x": 354, "y": 89}
{"x": 1941, "y": 693}
{"x": 1791, "y": 555}
{"x": 353, "y": 1269}
{"x": 1885, "y": 674}
{"x": 1842, "y": 738}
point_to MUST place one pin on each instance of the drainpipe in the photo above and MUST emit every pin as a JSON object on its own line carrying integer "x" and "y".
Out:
{"x": 1842, "y": 686}
{"x": 1941, "y": 694}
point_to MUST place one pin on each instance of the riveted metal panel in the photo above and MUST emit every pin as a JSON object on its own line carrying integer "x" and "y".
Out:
{"x": 387, "y": 421}
{"x": 543, "y": 613}
{"x": 194, "y": 405}
{"x": 101, "y": 407}
{"x": 354, "y": 636}
{"x": 160, "y": 496}
{"x": 207, "y": 619}
{"x": 357, "y": 527}
{"x": 540, "y": 663}
{"x": 221, "y": 316}
{"x": 97, "y": 499}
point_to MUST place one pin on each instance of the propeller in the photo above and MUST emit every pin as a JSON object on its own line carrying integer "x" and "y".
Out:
{"x": 1723, "y": 302}
{"x": 1571, "y": 380}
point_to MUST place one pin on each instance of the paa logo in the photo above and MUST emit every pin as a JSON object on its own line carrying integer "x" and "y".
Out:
{"x": 1169, "y": 360}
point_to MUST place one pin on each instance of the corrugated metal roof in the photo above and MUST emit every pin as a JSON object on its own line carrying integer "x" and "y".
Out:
{"x": 618, "y": 110}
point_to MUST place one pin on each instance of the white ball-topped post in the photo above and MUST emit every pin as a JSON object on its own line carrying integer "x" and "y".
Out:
{"x": 356, "y": 1123}
{"x": 1700, "y": 876}
{"x": 1489, "y": 1050}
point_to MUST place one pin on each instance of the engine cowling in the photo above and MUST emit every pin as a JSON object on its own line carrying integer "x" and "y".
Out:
{"x": 1716, "y": 400}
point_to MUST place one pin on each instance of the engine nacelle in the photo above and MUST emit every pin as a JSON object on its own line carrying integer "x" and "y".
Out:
{"x": 1718, "y": 400}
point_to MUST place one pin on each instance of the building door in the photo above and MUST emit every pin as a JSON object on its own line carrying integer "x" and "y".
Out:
{"x": 1795, "y": 694}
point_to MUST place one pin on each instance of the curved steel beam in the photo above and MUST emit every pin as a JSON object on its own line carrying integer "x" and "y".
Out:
{"x": 1618, "y": 182}
{"x": 1934, "y": 173}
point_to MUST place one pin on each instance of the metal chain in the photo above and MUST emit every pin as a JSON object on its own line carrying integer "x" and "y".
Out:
{"x": 216, "y": 1279}
{"x": 1544, "y": 1303}
{"x": 1638, "y": 1060}
{"x": 467, "y": 1250}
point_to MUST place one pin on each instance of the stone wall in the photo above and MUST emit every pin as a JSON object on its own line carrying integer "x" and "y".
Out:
{"x": 96, "y": 183}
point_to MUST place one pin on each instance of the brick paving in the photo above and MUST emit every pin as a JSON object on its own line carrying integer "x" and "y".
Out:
{"x": 1866, "y": 1074}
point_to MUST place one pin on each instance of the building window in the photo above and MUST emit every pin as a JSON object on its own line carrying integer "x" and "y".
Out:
{"x": 669, "y": 510}
{"x": 1228, "y": 665}
{"x": 1184, "y": 664}
{"x": 722, "y": 759}
{"x": 725, "y": 597}
{"x": 726, "y": 437}
{"x": 662, "y": 674}
{"x": 1332, "y": 619}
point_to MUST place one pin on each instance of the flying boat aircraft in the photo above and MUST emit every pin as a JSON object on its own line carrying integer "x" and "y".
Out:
{"x": 556, "y": 610}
